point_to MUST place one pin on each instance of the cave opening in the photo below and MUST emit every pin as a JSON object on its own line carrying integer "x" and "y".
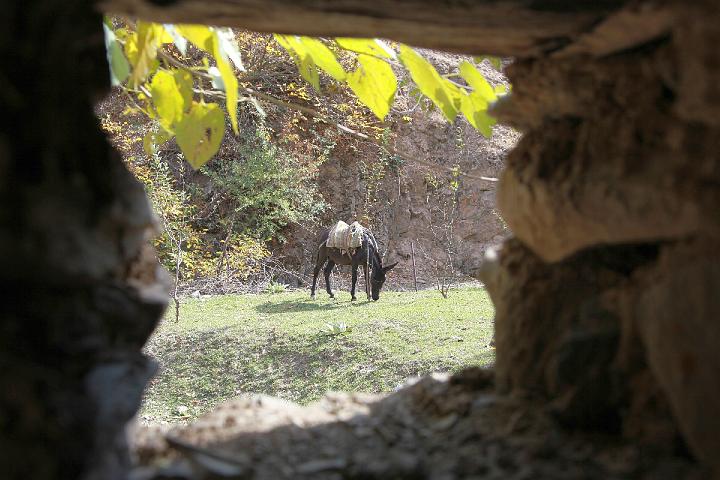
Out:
{"x": 605, "y": 299}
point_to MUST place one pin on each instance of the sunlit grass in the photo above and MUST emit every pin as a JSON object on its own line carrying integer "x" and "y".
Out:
{"x": 279, "y": 344}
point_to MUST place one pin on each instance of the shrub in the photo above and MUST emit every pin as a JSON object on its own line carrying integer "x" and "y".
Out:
{"x": 266, "y": 187}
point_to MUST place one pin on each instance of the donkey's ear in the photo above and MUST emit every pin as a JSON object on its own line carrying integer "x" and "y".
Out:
{"x": 390, "y": 267}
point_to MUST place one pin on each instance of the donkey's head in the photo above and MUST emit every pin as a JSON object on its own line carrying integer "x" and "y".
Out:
{"x": 378, "y": 278}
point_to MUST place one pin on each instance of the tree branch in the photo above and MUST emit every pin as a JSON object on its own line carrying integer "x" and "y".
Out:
{"x": 250, "y": 92}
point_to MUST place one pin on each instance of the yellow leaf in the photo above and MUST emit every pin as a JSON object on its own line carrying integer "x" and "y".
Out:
{"x": 374, "y": 83}
{"x": 323, "y": 57}
{"x": 200, "y": 35}
{"x": 302, "y": 58}
{"x": 152, "y": 139}
{"x": 144, "y": 62}
{"x": 200, "y": 133}
{"x": 369, "y": 46}
{"x": 184, "y": 81}
{"x": 477, "y": 81}
{"x": 163, "y": 35}
{"x": 474, "y": 107}
{"x": 131, "y": 47}
{"x": 430, "y": 83}
{"x": 171, "y": 96}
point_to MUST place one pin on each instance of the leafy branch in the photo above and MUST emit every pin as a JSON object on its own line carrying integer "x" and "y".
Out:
{"x": 176, "y": 94}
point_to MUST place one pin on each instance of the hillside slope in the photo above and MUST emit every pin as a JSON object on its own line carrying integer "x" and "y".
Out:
{"x": 414, "y": 179}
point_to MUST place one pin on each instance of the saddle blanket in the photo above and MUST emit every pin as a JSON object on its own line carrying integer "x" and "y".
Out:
{"x": 344, "y": 236}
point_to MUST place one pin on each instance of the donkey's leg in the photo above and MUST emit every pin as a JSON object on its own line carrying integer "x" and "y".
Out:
{"x": 319, "y": 261}
{"x": 354, "y": 282}
{"x": 328, "y": 271}
{"x": 367, "y": 281}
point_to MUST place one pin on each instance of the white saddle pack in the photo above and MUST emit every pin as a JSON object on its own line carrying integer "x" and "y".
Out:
{"x": 345, "y": 237}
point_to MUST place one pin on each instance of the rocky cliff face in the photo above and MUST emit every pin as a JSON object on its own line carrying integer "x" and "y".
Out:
{"x": 412, "y": 203}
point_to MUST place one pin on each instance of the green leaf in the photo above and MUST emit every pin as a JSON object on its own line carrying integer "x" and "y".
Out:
{"x": 145, "y": 52}
{"x": 477, "y": 81}
{"x": 323, "y": 57}
{"x": 119, "y": 66}
{"x": 416, "y": 94}
{"x": 374, "y": 83}
{"x": 229, "y": 79}
{"x": 200, "y": 133}
{"x": 172, "y": 96}
{"x": 474, "y": 107}
{"x": 429, "y": 81}
{"x": 369, "y": 46}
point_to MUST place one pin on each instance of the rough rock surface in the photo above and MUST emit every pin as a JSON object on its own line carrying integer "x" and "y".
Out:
{"x": 678, "y": 319}
{"x": 438, "y": 428}
{"x": 612, "y": 339}
{"x": 612, "y": 162}
{"x": 566, "y": 335}
{"x": 559, "y": 330}
{"x": 619, "y": 155}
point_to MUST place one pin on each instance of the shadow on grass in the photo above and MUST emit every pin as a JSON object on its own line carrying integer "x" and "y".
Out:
{"x": 201, "y": 369}
{"x": 308, "y": 305}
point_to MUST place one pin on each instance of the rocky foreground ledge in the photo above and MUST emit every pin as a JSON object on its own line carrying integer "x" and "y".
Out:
{"x": 439, "y": 427}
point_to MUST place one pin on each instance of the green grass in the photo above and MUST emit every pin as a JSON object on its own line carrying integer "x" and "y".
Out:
{"x": 276, "y": 344}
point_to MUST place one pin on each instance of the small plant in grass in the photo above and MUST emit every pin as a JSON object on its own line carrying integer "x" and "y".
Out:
{"x": 274, "y": 287}
{"x": 181, "y": 411}
{"x": 336, "y": 329}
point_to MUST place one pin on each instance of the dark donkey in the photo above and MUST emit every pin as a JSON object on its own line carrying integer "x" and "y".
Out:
{"x": 365, "y": 255}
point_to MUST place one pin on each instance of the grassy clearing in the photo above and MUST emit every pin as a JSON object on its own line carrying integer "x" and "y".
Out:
{"x": 277, "y": 344}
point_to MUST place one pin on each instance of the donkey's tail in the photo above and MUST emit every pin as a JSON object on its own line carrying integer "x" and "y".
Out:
{"x": 317, "y": 252}
{"x": 320, "y": 242}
